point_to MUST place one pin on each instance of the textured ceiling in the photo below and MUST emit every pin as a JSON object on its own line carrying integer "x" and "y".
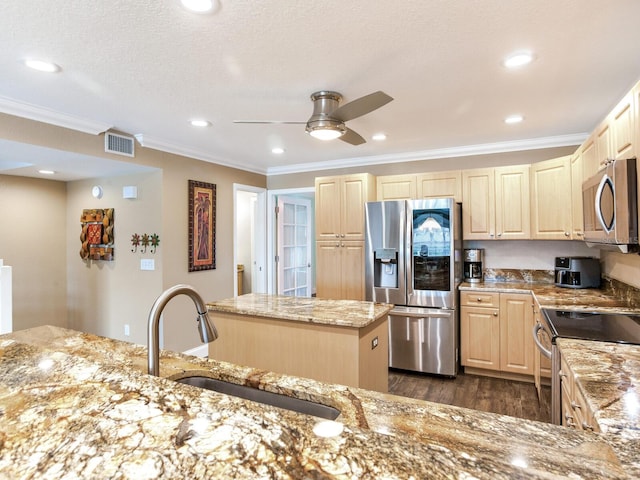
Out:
{"x": 147, "y": 67}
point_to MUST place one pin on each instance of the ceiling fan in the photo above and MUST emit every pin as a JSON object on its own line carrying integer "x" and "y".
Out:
{"x": 328, "y": 119}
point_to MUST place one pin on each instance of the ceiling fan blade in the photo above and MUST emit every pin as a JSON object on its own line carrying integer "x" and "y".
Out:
{"x": 352, "y": 137}
{"x": 361, "y": 106}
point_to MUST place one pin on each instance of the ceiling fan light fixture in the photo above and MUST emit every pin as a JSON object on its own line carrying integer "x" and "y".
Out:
{"x": 325, "y": 129}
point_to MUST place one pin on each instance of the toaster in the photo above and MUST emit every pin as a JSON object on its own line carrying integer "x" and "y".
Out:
{"x": 577, "y": 272}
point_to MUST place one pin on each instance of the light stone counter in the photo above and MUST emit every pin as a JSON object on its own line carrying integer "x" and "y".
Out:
{"x": 75, "y": 405}
{"x": 342, "y": 313}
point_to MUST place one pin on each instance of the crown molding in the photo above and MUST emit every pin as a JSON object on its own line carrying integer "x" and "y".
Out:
{"x": 40, "y": 114}
{"x": 452, "y": 152}
{"x": 154, "y": 143}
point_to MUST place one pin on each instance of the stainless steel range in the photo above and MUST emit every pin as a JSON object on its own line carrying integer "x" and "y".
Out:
{"x": 594, "y": 326}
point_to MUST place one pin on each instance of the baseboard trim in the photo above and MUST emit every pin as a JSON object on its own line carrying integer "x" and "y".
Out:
{"x": 492, "y": 373}
{"x": 199, "y": 351}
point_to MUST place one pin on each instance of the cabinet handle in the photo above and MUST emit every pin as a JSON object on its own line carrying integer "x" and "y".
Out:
{"x": 337, "y": 235}
{"x": 574, "y": 405}
{"x": 478, "y": 299}
{"x": 337, "y": 244}
{"x": 342, "y": 235}
{"x": 566, "y": 234}
{"x": 579, "y": 234}
{"x": 562, "y": 374}
{"x": 586, "y": 426}
{"x": 500, "y": 234}
{"x": 495, "y": 314}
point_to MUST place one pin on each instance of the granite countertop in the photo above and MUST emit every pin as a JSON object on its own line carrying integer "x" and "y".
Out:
{"x": 608, "y": 376}
{"x": 75, "y": 405}
{"x": 343, "y": 313}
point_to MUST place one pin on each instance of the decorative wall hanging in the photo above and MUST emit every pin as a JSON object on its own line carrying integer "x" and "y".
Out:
{"x": 202, "y": 226}
{"x": 145, "y": 240}
{"x": 135, "y": 241}
{"x": 97, "y": 234}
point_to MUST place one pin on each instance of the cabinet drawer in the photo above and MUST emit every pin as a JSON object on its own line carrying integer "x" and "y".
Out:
{"x": 479, "y": 299}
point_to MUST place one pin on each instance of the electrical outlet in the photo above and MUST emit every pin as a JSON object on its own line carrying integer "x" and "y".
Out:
{"x": 374, "y": 343}
{"x": 127, "y": 332}
{"x": 147, "y": 264}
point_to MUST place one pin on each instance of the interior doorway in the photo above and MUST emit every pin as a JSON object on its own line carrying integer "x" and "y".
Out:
{"x": 291, "y": 244}
{"x": 249, "y": 239}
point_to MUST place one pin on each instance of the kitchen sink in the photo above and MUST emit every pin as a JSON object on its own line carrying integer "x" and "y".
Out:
{"x": 260, "y": 396}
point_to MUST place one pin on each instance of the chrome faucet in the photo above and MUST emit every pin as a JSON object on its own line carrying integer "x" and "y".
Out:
{"x": 207, "y": 329}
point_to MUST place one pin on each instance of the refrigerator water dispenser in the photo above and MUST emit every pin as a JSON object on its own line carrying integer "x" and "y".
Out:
{"x": 385, "y": 268}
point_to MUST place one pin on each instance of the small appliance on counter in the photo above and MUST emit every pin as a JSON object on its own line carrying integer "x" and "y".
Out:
{"x": 577, "y": 272}
{"x": 473, "y": 265}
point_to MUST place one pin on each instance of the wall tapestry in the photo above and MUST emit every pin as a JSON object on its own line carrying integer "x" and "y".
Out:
{"x": 202, "y": 226}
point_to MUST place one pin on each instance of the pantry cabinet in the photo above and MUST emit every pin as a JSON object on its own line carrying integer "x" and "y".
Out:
{"x": 496, "y": 203}
{"x": 551, "y": 215}
{"x": 340, "y": 235}
{"x": 495, "y": 333}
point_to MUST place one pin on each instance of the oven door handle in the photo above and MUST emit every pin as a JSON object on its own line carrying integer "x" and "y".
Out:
{"x": 544, "y": 351}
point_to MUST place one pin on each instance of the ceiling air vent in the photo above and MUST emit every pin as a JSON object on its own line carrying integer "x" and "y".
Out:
{"x": 118, "y": 144}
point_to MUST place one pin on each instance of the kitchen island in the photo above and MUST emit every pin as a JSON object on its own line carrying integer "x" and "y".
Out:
{"x": 75, "y": 405}
{"x": 333, "y": 341}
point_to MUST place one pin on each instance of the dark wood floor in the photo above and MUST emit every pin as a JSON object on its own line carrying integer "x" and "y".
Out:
{"x": 506, "y": 397}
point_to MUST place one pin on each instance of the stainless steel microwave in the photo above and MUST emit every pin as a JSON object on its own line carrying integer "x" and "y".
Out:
{"x": 610, "y": 207}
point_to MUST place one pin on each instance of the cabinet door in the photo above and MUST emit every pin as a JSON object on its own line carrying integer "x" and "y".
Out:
{"x": 328, "y": 203}
{"x": 480, "y": 337}
{"x": 478, "y": 197}
{"x": 516, "y": 340}
{"x": 440, "y": 184}
{"x": 577, "y": 177}
{"x": 622, "y": 121}
{"x": 352, "y": 270}
{"x": 551, "y": 199}
{"x": 328, "y": 269}
{"x": 589, "y": 157}
{"x": 396, "y": 187}
{"x": 356, "y": 190}
{"x": 513, "y": 214}
{"x": 604, "y": 143}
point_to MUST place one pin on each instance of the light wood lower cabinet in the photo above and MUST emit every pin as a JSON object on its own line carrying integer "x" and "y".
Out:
{"x": 576, "y": 412}
{"x": 495, "y": 333}
{"x": 340, "y": 270}
{"x": 356, "y": 357}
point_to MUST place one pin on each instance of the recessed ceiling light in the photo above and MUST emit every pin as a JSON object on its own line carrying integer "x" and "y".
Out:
{"x": 199, "y": 6}
{"x": 41, "y": 65}
{"x": 47, "y": 172}
{"x": 518, "y": 59}
{"x": 200, "y": 123}
{"x": 513, "y": 119}
{"x": 277, "y": 150}
{"x": 379, "y": 137}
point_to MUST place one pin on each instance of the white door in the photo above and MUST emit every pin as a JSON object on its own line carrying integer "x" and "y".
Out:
{"x": 293, "y": 218}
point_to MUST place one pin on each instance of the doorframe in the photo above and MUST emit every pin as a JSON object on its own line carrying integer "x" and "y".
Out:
{"x": 272, "y": 286}
{"x": 259, "y": 236}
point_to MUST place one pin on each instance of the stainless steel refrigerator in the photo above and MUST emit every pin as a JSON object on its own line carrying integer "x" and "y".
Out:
{"x": 413, "y": 260}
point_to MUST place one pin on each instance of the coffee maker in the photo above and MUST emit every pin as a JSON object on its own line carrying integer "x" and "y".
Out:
{"x": 473, "y": 264}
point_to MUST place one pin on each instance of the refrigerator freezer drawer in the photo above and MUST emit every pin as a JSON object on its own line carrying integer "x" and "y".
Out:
{"x": 424, "y": 340}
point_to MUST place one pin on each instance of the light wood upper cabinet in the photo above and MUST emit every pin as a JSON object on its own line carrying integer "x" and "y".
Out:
{"x": 577, "y": 177}
{"x": 496, "y": 203}
{"x": 604, "y": 143}
{"x": 513, "y": 214}
{"x": 396, "y": 187}
{"x": 440, "y": 185}
{"x": 551, "y": 217}
{"x": 478, "y": 204}
{"x": 622, "y": 121}
{"x": 589, "y": 156}
{"x": 340, "y": 206}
